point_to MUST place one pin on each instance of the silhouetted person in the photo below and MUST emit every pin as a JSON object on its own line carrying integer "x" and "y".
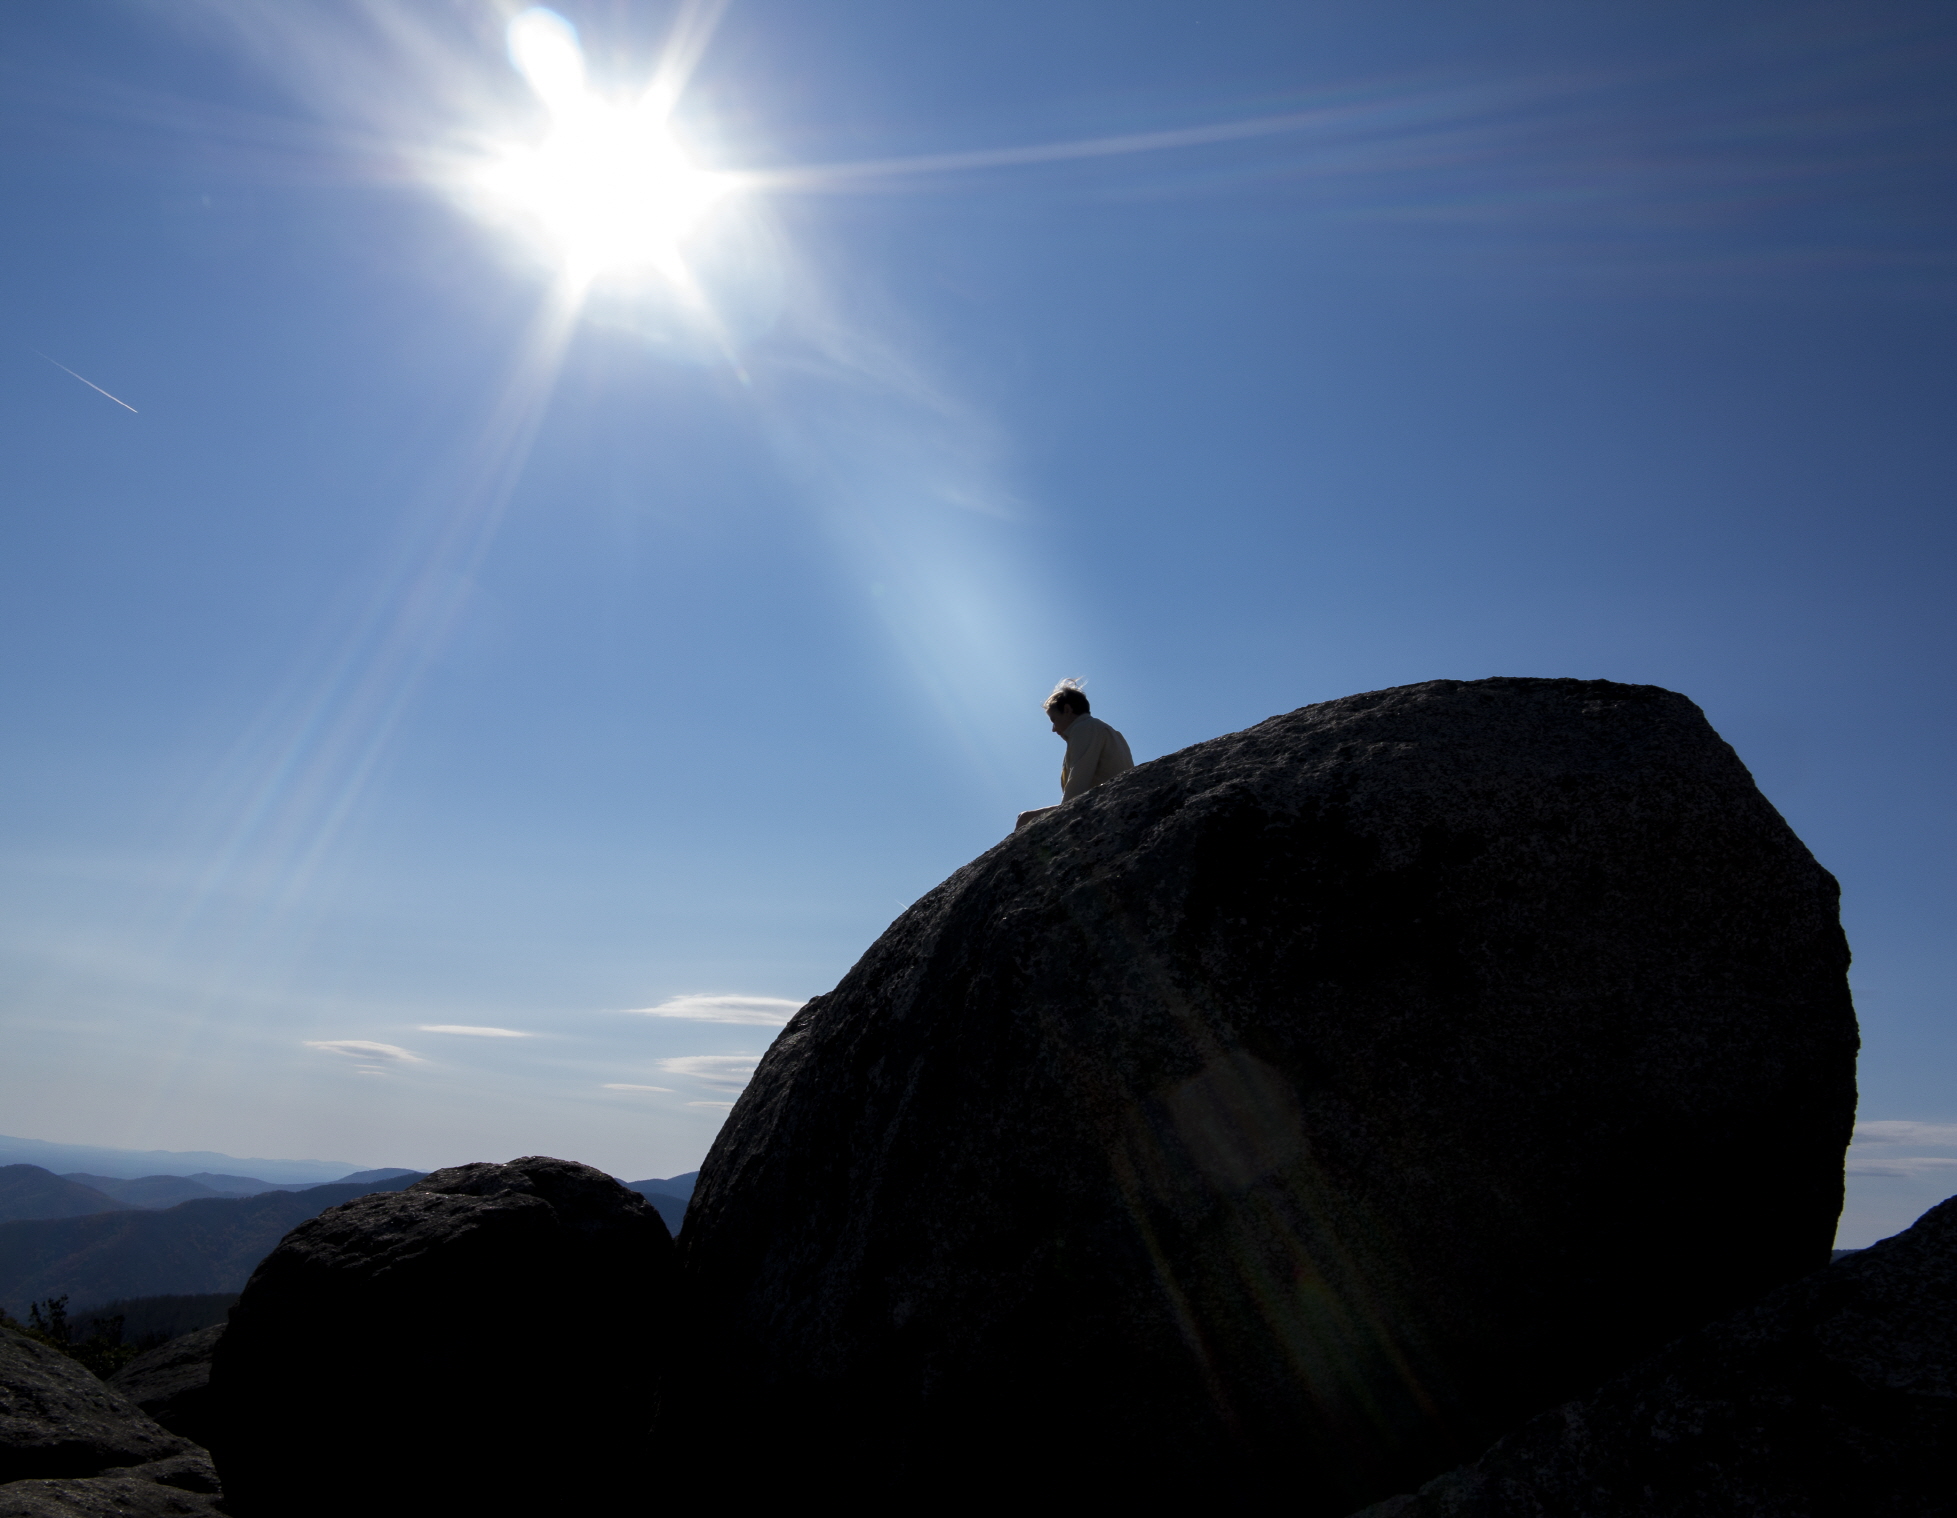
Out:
{"x": 1095, "y": 751}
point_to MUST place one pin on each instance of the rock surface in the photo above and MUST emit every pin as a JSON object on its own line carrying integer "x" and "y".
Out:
{"x": 172, "y": 1383}
{"x": 58, "y": 1420}
{"x": 182, "y": 1484}
{"x": 1290, "y": 1115}
{"x": 487, "y": 1341}
{"x": 164, "y": 1489}
{"x": 1835, "y": 1397}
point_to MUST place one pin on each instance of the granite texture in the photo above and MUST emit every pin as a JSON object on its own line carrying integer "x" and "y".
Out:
{"x": 172, "y": 1383}
{"x": 1289, "y": 1116}
{"x": 56, "y": 1419}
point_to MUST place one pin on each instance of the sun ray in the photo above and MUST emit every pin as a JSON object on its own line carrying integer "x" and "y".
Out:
{"x": 686, "y": 44}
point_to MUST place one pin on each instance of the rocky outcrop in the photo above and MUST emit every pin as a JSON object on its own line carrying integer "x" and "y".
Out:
{"x": 488, "y": 1341}
{"x": 183, "y": 1484}
{"x": 58, "y": 1420}
{"x": 1291, "y": 1115}
{"x": 172, "y": 1383}
{"x": 1835, "y": 1397}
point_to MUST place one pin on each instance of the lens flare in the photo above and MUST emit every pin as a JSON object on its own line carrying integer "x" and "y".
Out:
{"x": 610, "y": 187}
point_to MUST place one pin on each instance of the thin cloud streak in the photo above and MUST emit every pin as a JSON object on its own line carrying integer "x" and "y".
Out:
{"x": 728, "y": 1072}
{"x": 364, "y": 1049}
{"x": 1874, "y": 1151}
{"x": 1903, "y": 1131}
{"x": 758, "y": 1011}
{"x": 466, "y": 1030}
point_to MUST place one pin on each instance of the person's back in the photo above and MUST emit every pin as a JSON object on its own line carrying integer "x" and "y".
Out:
{"x": 1096, "y": 752}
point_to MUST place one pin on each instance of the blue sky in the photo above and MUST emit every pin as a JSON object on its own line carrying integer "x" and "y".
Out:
{"x": 444, "y": 643}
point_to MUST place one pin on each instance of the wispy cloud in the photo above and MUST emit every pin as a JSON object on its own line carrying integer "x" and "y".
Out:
{"x": 620, "y": 1086}
{"x": 1932, "y": 1135}
{"x": 365, "y": 1050}
{"x": 469, "y": 1030}
{"x": 759, "y": 1011}
{"x": 726, "y": 1072}
{"x": 1879, "y": 1149}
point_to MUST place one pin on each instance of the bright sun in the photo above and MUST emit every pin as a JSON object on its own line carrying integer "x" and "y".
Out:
{"x": 609, "y": 186}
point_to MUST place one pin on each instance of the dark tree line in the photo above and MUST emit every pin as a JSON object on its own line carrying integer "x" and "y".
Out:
{"x": 103, "y": 1351}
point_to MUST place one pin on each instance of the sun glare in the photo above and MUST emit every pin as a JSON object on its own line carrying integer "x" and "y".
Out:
{"x": 609, "y": 186}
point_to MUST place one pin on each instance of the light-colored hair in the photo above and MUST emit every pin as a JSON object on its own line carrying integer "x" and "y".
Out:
{"x": 1068, "y": 694}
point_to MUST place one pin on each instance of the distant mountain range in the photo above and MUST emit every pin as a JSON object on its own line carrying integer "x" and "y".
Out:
{"x": 194, "y": 1248}
{"x": 95, "y": 1247}
{"x": 30, "y": 1192}
{"x": 130, "y": 1164}
{"x": 168, "y": 1190}
{"x": 668, "y": 1197}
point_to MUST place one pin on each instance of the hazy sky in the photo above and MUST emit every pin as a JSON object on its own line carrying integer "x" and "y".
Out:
{"x": 484, "y": 602}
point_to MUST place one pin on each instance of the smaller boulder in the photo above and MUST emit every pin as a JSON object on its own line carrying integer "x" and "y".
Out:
{"x": 1834, "y": 1395}
{"x": 489, "y": 1340}
{"x": 172, "y": 1383}
{"x": 57, "y": 1420}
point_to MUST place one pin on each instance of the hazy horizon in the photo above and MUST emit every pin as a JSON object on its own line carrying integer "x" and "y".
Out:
{"x": 480, "y": 650}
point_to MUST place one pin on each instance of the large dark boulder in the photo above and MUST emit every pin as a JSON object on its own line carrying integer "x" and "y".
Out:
{"x": 172, "y": 1383}
{"x": 488, "y": 1341}
{"x": 1293, "y": 1114}
{"x": 58, "y": 1420}
{"x": 1835, "y": 1397}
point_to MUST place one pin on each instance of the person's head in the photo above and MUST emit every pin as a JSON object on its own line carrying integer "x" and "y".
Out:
{"x": 1067, "y": 702}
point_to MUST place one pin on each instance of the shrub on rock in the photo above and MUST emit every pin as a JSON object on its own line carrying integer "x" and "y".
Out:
{"x": 487, "y": 1341}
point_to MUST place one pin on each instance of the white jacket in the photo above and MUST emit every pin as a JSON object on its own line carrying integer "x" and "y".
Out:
{"x": 1095, "y": 752}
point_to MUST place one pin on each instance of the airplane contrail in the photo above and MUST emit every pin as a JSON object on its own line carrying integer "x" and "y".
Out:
{"x": 88, "y": 382}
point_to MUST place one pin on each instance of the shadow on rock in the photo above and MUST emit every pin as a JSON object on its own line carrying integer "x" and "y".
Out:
{"x": 1834, "y": 1396}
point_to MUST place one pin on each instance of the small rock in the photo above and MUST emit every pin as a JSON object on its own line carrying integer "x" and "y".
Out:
{"x": 57, "y": 1420}
{"x": 1835, "y": 1397}
{"x": 488, "y": 1341}
{"x": 172, "y": 1383}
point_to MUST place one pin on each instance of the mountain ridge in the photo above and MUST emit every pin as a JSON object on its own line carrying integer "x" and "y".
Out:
{"x": 197, "y": 1247}
{"x": 131, "y": 1164}
{"x": 30, "y": 1192}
